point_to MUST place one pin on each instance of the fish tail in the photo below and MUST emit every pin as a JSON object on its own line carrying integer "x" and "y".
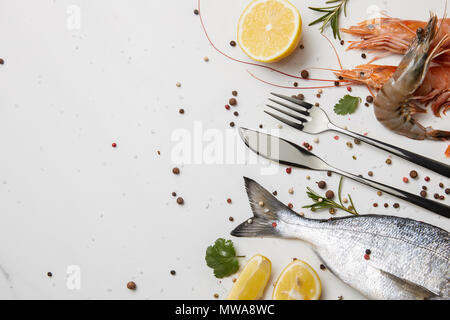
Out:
{"x": 266, "y": 210}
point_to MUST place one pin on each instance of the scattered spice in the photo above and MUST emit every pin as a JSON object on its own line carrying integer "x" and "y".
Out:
{"x": 180, "y": 201}
{"x": 178, "y": 84}
{"x": 2, "y": 61}
{"x": 234, "y": 93}
{"x": 229, "y": 200}
{"x": 275, "y": 193}
{"x": 396, "y": 205}
{"x": 427, "y": 179}
{"x": 131, "y": 285}
{"x": 357, "y": 141}
{"x": 368, "y": 251}
{"x": 295, "y": 84}
{"x": 379, "y": 193}
{"x": 388, "y": 161}
{"x": 173, "y": 272}
{"x": 447, "y": 191}
{"x": 322, "y": 267}
{"x": 174, "y": 194}
{"x": 231, "y": 219}
{"x": 274, "y": 224}
{"x": 176, "y": 170}
{"x": 233, "y": 43}
{"x": 413, "y": 174}
{"x": 291, "y": 191}
{"x": 316, "y": 140}
{"x": 236, "y": 113}
{"x": 206, "y": 59}
{"x": 260, "y": 126}
{"x": 349, "y": 144}
{"x": 405, "y": 180}
{"x": 441, "y": 185}
{"x": 336, "y": 83}
{"x": 261, "y": 204}
{"x": 363, "y": 55}
{"x": 441, "y": 198}
{"x": 216, "y": 295}
{"x": 308, "y": 178}
{"x": 114, "y": 145}
{"x": 302, "y": 46}
{"x": 386, "y": 205}
{"x": 181, "y": 111}
{"x": 196, "y": 12}
{"x": 329, "y": 173}
{"x": 424, "y": 188}
{"x": 329, "y": 194}
{"x": 49, "y": 274}
{"x": 367, "y": 257}
{"x": 232, "y": 124}
{"x": 232, "y": 102}
{"x": 322, "y": 184}
{"x": 288, "y": 170}
{"x": 290, "y": 205}
{"x": 369, "y": 99}
{"x": 227, "y": 107}
{"x": 375, "y": 204}
{"x": 423, "y": 194}
{"x": 304, "y": 74}
{"x": 301, "y": 96}
{"x": 370, "y": 173}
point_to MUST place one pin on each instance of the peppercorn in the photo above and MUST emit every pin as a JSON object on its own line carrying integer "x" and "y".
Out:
{"x": 375, "y": 204}
{"x": 441, "y": 185}
{"x": 227, "y": 107}
{"x": 229, "y": 200}
{"x": 290, "y": 205}
{"x": 336, "y": 83}
{"x": 322, "y": 184}
{"x": 332, "y": 211}
{"x": 131, "y": 285}
{"x": 342, "y": 42}
{"x": 232, "y": 124}
{"x": 301, "y": 96}
{"x": 302, "y": 46}
{"x": 370, "y": 173}
{"x": 231, "y": 219}
{"x": 114, "y": 145}
{"x": 388, "y": 161}
{"x": 329, "y": 173}
{"x": 322, "y": 267}
{"x": 441, "y": 197}
{"x": 379, "y": 193}
{"x": 386, "y": 205}
{"x": 260, "y": 126}
{"x": 232, "y": 102}
{"x": 234, "y": 93}
{"x": 447, "y": 191}
{"x": 236, "y": 113}
{"x": 329, "y": 194}
{"x": 216, "y": 295}
{"x": 369, "y": 99}
{"x": 275, "y": 193}
{"x": 180, "y": 201}
{"x": 295, "y": 84}
{"x": 196, "y": 12}
{"x": 173, "y": 272}
{"x": 363, "y": 55}
{"x": 423, "y": 193}
{"x": 176, "y": 170}
{"x": 233, "y": 43}
{"x": 405, "y": 180}
{"x": 424, "y": 188}
{"x": 49, "y": 274}
{"x": 413, "y": 174}
{"x": 174, "y": 194}
{"x": 436, "y": 196}
{"x": 304, "y": 74}
{"x": 368, "y": 251}
{"x": 357, "y": 141}
{"x": 288, "y": 170}
{"x": 349, "y": 144}
{"x": 181, "y": 111}
{"x": 427, "y": 178}
{"x": 396, "y": 205}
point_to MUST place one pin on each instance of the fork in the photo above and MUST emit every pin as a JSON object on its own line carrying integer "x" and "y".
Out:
{"x": 319, "y": 122}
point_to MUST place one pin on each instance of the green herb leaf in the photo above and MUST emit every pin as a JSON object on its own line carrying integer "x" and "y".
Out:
{"x": 221, "y": 257}
{"x": 347, "y": 105}
{"x": 331, "y": 16}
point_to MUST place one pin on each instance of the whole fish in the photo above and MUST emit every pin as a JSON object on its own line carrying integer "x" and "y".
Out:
{"x": 408, "y": 259}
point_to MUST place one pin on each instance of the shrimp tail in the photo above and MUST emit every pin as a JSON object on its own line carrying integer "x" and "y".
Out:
{"x": 437, "y": 134}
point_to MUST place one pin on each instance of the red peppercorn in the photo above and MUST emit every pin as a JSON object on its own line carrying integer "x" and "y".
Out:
{"x": 288, "y": 170}
{"x": 114, "y": 145}
{"x": 274, "y": 224}
{"x": 336, "y": 137}
{"x": 227, "y": 107}
{"x": 349, "y": 89}
{"x": 290, "y": 205}
{"x": 405, "y": 180}
{"x": 367, "y": 257}
{"x": 309, "y": 148}
{"x": 427, "y": 178}
{"x": 229, "y": 200}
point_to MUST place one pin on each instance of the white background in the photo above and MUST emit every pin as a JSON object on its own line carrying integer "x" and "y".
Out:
{"x": 68, "y": 198}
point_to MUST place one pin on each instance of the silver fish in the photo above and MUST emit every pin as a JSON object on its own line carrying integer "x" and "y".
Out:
{"x": 408, "y": 259}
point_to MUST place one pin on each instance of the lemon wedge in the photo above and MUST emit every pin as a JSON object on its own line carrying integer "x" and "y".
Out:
{"x": 253, "y": 279}
{"x": 269, "y": 30}
{"x": 298, "y": 281}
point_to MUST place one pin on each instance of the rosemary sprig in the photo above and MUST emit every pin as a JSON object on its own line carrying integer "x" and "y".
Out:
{"x": 321, "y": 202}
{"x": 331, "y": 16}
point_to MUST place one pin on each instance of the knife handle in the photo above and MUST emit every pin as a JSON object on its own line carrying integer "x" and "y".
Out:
{"x": 436, "y": 207}
{"x": 425, "y": 162}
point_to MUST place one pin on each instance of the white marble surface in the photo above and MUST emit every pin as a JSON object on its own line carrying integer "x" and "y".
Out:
{"x": 67, "y": 198}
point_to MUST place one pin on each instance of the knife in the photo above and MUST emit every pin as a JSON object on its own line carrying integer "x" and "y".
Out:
{"x": 288, "y": 153}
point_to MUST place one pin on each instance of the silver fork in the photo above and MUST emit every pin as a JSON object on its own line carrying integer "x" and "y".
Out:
{"x": 319, "y": 122}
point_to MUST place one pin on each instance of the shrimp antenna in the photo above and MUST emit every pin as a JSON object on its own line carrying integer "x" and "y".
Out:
{"x": 250, "y": 63}
{"x": 334, "y": 49}
{"x": 288, "y": 87}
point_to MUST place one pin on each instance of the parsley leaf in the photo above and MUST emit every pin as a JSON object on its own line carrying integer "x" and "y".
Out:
{"x": 347, "y": 105}
{"x": 221, "y": 257}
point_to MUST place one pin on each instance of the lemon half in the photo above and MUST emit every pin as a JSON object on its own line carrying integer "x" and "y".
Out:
{"x": 253, "y": 279}
{"x": 269, "y": 30}
{"x": 298, "y": 281}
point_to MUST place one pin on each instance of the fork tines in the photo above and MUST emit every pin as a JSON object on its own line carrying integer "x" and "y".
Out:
{"x": 304, "y": 111}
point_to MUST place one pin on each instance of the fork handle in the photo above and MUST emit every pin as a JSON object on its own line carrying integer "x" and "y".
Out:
{"x": 425, "y": 162}
{"x": 436, "y": 207}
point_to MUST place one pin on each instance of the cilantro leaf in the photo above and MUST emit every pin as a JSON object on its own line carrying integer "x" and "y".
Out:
{"x": 347, "y": 105}
{"x": 221, "y": 257}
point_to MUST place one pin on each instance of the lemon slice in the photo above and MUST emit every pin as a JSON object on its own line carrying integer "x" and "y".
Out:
{"x": 298, "y": 281}
{"x": 269, "y": 30}
{"x": 253, "y": 279}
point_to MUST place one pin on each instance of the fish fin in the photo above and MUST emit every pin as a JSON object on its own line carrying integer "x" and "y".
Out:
{"x": 405, "y": 285}
{"x": 265, "y": 209}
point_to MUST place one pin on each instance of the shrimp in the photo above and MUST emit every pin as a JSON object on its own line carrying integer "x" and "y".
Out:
{"x": 434, "y": 89}
{"x": 394, "y": 35}
{"x": 393, "y": 104}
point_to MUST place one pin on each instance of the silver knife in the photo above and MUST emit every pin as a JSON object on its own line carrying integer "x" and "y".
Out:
{"x": 288, "y": 153}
